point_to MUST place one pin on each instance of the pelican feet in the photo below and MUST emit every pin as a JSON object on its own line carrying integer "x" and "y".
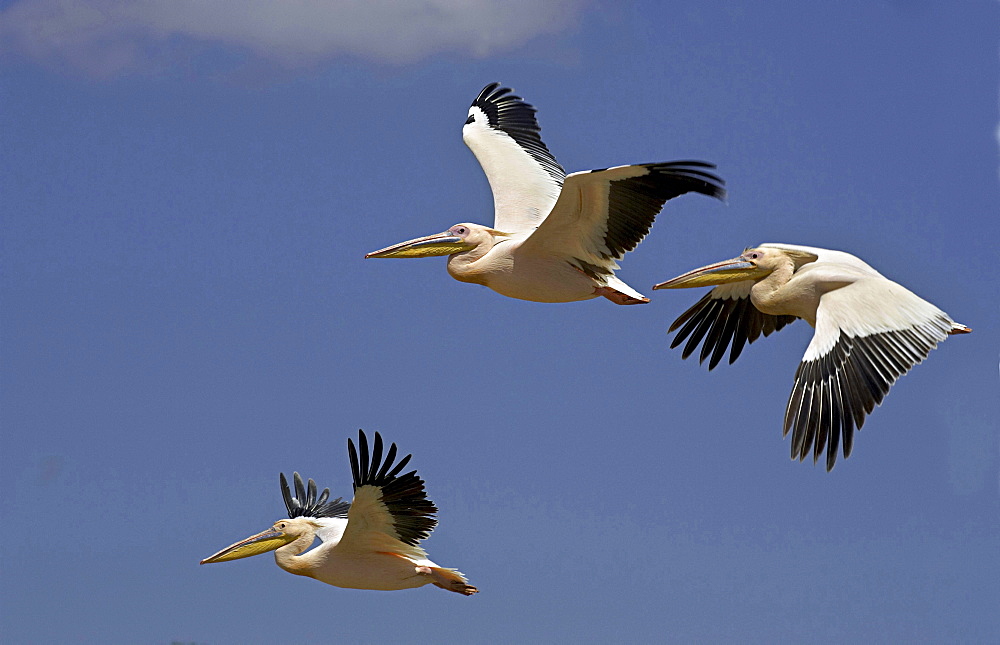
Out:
{"x": 463, "y": 588}
{"x": 448, "y": 579}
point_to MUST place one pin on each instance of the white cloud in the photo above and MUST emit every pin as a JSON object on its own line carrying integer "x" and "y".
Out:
{"x": 107, "y": 37}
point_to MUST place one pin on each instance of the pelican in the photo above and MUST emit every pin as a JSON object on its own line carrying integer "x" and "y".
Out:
{"x": 371, "y": 543}
{"x": 555, "y": 238}
{"x": 868, "y": 332}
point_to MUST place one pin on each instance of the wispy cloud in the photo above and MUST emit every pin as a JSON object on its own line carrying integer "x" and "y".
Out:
{"x": 109, "y": 37}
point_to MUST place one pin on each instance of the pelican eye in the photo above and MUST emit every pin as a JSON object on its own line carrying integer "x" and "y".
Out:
{"x": 754, "y": 256}
{"x": 460, "y": 230}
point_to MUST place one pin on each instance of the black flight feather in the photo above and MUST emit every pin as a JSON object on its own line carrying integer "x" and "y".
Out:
{"x": 511, "y": 115}
{"x": 403, "y": 495}
{"x": 305, "y": 503}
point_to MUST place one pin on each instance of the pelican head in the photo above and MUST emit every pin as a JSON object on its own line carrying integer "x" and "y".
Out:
{"x": 457, "y": 239}
{"x": 283, "y": 532}
{"x": 753, "y": 264}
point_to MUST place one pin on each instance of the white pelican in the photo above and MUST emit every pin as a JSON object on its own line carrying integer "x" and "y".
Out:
{"x": 868, "y": 332}
{"x": 554, "y": 238}
{"x": 371, "y": 543}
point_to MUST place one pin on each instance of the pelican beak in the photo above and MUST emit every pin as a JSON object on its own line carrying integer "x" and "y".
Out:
{"x": 735, "y": 270}
{"x": 425, "y": 247}
{"x": 269, "y": 540}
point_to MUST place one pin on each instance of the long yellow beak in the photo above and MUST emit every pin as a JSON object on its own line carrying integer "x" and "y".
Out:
{"x": 735, "y": 270}
{"x": 424, "y": 247}
{"x": 263, "y": 542}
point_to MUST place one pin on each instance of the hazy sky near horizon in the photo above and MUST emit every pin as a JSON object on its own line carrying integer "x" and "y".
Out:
{"x": 186, "y": 196}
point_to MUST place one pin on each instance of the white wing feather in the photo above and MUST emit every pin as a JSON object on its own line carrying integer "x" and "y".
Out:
{"x": 503, "y": 134}
{"x": 523, "y": 193}
{"x": 578, "y": 223}
{"x": 872, "y": 305}
{"x": 370, "y": 526}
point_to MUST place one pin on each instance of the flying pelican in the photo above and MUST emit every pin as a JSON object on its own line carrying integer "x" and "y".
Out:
{"x": 554, "y": 238}
{"x": 371, "y": 543}
{"x": 868, "y": 332}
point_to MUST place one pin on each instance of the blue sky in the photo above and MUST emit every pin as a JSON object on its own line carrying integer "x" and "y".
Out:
{"x": 187, "y": 195}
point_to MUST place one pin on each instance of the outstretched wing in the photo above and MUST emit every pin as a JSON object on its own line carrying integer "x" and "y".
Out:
{"x": 603, "y": 214}
{"x": 868, "y": 334}
{"x": 724, "y": 318}
{"x": 331, "y": 515}
{"x": 305, "y": 503}
{"x": 501, "y": 130}
{"x": 385, "y": 501}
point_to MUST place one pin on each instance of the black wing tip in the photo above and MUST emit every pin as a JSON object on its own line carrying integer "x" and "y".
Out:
{"x": 488, "y": 89}
{"x": 305, "y": 502}
{"x": 495, "y": 98}
{"x": 495, "y": 93}
{"x": 695, "y": 174}
{"x": 403, "y": 494}
{"x": 851, "y": 379}
{"x": 718, "y": 324}
{"x": 370, "y": 467}
{"x": 634, "y": 201}
{"x": 801, "y": 449}
{"x": 509, "y": 113}
{"x": 834, "y": 392}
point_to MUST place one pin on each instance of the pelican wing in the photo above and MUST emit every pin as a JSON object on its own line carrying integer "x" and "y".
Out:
{"x": 501, "y": 130}
{"x": 331, "y": 515}
{"x": 868, "y": 334}
{"x": 386, "y": 503}
{"x": 603, "y": 214}
{"x": 724, "y": 315}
